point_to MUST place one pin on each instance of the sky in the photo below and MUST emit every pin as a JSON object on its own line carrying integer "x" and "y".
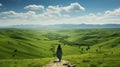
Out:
{"x": 45, "y": 12}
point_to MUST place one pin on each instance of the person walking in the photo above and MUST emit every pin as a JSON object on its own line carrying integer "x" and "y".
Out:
{"x": 59, "y": 52}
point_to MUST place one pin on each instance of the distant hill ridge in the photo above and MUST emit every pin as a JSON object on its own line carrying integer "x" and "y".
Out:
{"x": 64, "y": 26}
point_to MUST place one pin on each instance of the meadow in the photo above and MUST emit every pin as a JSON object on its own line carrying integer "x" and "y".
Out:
{"x": 83, "y": 47}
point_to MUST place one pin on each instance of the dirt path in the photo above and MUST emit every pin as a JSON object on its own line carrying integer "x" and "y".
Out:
{"x": 63, "y": 63}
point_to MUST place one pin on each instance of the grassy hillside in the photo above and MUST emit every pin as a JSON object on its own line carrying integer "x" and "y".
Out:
{"x": 16, "y": 43}
{"x": 83, "y": 47}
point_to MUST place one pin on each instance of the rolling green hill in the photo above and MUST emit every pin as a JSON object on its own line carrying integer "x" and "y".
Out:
{"x": 83, "y": 47}
{"x": 24, "y": 44}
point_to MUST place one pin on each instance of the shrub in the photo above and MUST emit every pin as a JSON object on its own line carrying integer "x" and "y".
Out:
{"x": 86, "y": 60}
{"x": 100, "y": 62}
{"x": 93, "y": 65}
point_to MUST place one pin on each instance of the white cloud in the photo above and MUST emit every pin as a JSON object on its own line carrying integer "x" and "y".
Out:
{"x": 54, "y": 8}
{"x": 54, "y": 15}
{"x": 34, "y": 7}
{"x": 99, "y": 18}
{"x": 69, "y": 8}
{"x": 53, "y": 11}
{"x": 1, "y": 4}
{"x": 15, "y": 15}
{"x": 58, "y": 10}
{"x": 111, "y": 13}
{"x": 73, "y": 7}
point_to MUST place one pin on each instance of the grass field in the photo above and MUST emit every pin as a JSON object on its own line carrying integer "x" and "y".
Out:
{"x": 83, "y": 47}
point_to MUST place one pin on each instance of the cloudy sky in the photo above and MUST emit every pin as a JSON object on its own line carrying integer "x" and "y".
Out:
{"x": 59, "y": 12}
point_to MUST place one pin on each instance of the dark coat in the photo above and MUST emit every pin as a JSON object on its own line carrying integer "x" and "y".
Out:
{"x": 59, "y": 53}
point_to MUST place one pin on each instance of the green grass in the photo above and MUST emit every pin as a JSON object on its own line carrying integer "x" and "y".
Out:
{"x": 35, "y": 47}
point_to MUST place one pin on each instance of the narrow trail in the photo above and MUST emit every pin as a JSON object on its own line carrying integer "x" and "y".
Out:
{"x": 63, "y": 63}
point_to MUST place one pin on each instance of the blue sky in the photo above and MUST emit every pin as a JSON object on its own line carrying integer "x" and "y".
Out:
{"x": 90, "y": 5}
{"x": 59, "y": 11}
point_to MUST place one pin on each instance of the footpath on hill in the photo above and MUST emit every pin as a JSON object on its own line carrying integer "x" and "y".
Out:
{"x": 56, "y": 63}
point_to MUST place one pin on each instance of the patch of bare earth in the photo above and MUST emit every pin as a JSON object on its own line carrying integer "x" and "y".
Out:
{"x": 56, "y": 63}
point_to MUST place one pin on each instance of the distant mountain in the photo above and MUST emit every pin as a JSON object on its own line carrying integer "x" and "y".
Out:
{"x": 65, "y": 26}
